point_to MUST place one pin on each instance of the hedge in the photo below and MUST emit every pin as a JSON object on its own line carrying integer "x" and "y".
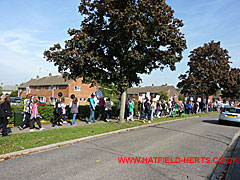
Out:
{"x": 47, "y": 112}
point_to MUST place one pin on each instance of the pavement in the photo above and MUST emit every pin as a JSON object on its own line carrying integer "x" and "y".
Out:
{"x": 15, "y": 130}
{"x": 233, "y": 172}
{"x": 98, "y": 158}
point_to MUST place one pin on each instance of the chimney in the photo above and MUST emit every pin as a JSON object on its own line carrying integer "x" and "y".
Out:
{"x": 152, "y": 84}
{"x": 1, "y": 83}
{"x": 50, "y": 74}
{"x": 37, "y": 76}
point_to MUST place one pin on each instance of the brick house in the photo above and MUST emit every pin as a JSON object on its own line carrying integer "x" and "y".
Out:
{"x": 138, "y": 93}
{"x": 47, "y": 89}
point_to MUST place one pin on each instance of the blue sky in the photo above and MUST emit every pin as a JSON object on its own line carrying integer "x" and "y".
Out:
{"x": 28, "y": 27}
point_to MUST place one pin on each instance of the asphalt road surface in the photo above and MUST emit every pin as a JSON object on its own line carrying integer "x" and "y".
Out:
{"x": 98, "y": 158}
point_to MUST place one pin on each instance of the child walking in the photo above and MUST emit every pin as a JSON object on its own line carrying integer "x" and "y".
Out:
{"x": 130, "y": 111}
{"x": 74, "y": 109}
{"x": 35, "y": 116}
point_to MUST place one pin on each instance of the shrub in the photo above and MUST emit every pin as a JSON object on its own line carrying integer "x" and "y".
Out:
{"x": 47, "y": 112}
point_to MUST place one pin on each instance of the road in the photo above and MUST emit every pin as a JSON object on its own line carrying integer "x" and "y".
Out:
{"x": 98, "y": 158}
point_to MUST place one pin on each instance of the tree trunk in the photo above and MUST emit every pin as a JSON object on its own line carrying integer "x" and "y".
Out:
{"x": 122, "y": 109}
{"x": 207, "y": 103}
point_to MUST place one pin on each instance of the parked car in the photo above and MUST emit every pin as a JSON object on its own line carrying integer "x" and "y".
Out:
{"x": 41, "y": 103}
{"x": 229, "y": 114}
{"x": 16, "y": 101}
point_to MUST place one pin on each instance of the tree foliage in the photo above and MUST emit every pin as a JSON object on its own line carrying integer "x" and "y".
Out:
{"x": 14, "y": 93}
{"x": 209, "y": 66}
{"x": 232, "y": 85}
{"x": 181, "y": 97}
{"x": 163, "y": 95}
{"x": 119, "y": 40}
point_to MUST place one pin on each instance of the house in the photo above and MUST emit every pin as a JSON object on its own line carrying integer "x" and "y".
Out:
{"x": 47, "y": 89}
{"x": 7, "y": 89}
{"x": 138, "y": 93}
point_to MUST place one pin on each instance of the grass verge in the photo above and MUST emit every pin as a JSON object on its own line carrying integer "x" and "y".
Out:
{"x": 21, "y": 141}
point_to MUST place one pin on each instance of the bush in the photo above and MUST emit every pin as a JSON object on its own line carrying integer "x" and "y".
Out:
{"x": 47, "y": 112}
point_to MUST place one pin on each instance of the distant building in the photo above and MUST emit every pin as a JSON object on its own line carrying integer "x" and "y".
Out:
{"x": 7, "y": 89}
{"x": 47, "y": 89}
{"x": 140, "y": 93}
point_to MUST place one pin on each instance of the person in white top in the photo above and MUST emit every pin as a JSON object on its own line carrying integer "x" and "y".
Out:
{"x": 63, "y": 111}
{"x": 108, "y": 108}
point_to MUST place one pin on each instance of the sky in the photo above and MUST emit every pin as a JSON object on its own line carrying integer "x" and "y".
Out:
{"x": 28, "y": 27}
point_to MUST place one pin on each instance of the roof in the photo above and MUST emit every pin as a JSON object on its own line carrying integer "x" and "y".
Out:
{"x": 46, "y": 81}
{"x": 151, "y": 89}
{"x": 9, "y": 88}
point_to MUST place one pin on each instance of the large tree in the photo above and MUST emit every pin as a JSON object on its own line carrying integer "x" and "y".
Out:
{"x": 209, "y": 66}
{"x": 232, "y": 85}
{"x": 119, "y": 40}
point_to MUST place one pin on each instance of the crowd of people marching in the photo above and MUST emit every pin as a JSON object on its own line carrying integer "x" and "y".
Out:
{"x": 146, "y": 110}
{"x": 161, "y": 108}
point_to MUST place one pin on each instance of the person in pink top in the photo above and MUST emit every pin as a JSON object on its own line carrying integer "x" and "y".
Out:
{"x": 35, "y": 116}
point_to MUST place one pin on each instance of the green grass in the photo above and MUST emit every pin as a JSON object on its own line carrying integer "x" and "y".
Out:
{"x": 21, "y": 141}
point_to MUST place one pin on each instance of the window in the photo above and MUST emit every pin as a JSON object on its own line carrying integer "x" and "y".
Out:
{"x": 50, "y": 88}
{"x": 38, "y": 88}
{"x": 85, "y": 100}
{"x": 153, "y": 95}
{"x": 77, "y": 88}
{"x": 128, "y": 95}
{"x": 134, "y": 95}
{"x": 42, "y": 87}
{"x": 55, "y": 87}
{"x": 80, "y": 99}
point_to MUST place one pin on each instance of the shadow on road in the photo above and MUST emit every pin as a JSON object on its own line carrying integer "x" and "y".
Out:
{"x": 210, "y": 121}
{"x": 225, "y": 124}
{"x": 192, "y": 134}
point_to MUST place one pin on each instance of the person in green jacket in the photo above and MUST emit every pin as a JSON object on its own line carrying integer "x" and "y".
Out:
{"x": 130, "y": 111}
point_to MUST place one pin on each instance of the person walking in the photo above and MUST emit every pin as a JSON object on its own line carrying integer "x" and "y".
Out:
{"x": 119, "y": 107}
{"x": 101, "y": 108}
{"x": 130, "y": 107}
{"x": 5, "y": 113}
{"x": 147, "y": 106}
{"x": 140, "y": 110}
{"x": 158, "y": 111}
{"x": 28, "y": 104}
{"x": 58, "y": 111}
{"x": 170, "y": 107}
{"x": 152, "y": 109}
{"x": 63, "y": 105}
{"x": 74, "y": 110}
{"x": 92, "y": 107}
{"x": 108, "y": 108}
{"x": 35, "y": 116}
{"x": 163, "y": 105}
{"x": 189, "y": 107}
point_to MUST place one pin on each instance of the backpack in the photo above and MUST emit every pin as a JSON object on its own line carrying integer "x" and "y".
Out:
{"x": 147, "y": 107}
{"x": 59, "y": 109}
